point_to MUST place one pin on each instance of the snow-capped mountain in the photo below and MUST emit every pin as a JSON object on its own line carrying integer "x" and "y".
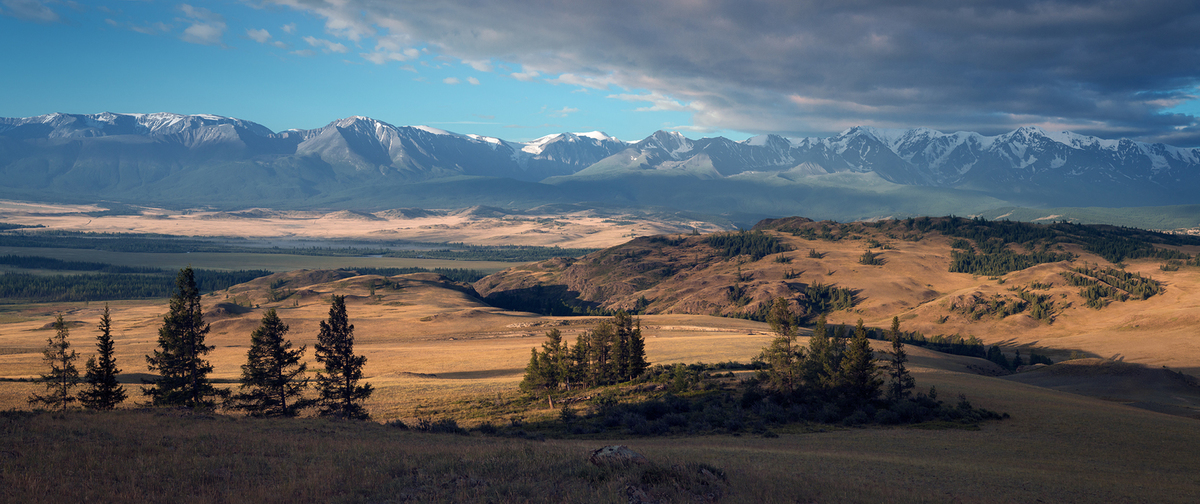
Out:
{"x": 140, "y": 155}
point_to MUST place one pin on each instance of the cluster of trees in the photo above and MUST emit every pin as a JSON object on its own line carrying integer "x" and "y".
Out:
{"x": 1101, "y": 285}
{"x": 611, "y": 353}
{"x": 273, "y": 381}
{"x": 137, "y": 242}
{"x": 869, "y": 258}
{"x": 833, "y": 367}
{"x": 755, "y": 244}
{"x": 102, "y": 392}
{"x": 49, "y": 263}
{"x": 1001, "y": 262}
{"x": 109, "y": 286}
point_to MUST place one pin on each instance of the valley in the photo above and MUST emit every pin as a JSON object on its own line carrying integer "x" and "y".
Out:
{"x": 440, "y": 349}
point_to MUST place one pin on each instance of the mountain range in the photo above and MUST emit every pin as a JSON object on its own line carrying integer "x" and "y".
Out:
{"x": 363, "y": 163}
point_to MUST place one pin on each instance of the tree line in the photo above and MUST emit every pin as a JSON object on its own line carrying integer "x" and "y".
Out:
{"x": 157, "y": 243}
{"x": 273, "y": 381}
{"x": 111, "y": 286}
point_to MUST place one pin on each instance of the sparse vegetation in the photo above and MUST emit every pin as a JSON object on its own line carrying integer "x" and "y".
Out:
{"x": 1103, "y": 285}
{"x": 755, "y": 244}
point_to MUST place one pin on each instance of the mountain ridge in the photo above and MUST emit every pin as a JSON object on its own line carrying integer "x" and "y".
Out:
{"x": 135, "y": 157}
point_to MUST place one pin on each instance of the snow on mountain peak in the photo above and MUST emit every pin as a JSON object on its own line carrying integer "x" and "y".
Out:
{"x": 432, "y": 130}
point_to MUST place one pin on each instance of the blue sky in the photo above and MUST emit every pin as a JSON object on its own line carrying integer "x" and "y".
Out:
{"x": 522, "y": 69}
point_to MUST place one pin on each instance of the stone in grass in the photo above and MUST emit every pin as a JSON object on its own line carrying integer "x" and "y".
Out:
{"x": 617, "y": 455}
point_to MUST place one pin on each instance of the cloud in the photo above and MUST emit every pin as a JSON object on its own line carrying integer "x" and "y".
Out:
{"x": 525, "y": 76}
{"x": 450, "y": 80}
{"x": 809, "y": 67}
{"x": 288, "y": 28}
{"x": 473, "y": 81}
{"x": 563, "y": 112}
{"x": 29, "y": 10}
{"x": 479, "y": 65}
{"x": 658, "y": 101}
{"x": 305, "y": 53}
{"x": 390, "y": 49}
{"x": 327, "y": 46}
{"x": 206, "y": 27}
{"x": 260, "y": 36}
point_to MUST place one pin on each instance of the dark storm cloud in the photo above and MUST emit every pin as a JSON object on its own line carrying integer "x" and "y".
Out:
{"x": 806, "y": 67}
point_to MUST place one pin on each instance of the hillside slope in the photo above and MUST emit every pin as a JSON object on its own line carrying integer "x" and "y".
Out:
{"x": 1034, "y": 303}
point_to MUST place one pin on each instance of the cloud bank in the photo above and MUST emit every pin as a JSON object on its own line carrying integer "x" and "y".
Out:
{"x": 804, "y": 67}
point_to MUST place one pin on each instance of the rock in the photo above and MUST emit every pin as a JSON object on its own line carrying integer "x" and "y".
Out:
{"x": 616, "y": 455}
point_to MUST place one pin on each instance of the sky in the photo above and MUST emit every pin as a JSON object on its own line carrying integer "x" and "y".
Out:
{"x": 521, "y": 69}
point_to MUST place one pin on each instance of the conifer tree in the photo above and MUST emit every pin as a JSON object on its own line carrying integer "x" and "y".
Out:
{"x": 819, "y": 361}
{"x": 833, "y": 366}
{"x": 859, "y": 372}
{"x": 179, "y": 359}
{"x": 341, "y": 395}
{"x": 103, "y": 392}
{"x": 577, "y": 361}
{"x": 62, "y": 376}
{"x": 783, "y": 356}
{"x": 901, "y": 381}
{"x": 600, "y": 355}
{"x": 273, "y": 379}
{"x": 629, "y": 348}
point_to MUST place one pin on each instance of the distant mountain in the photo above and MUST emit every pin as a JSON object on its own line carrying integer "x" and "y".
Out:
{"x": 360, "y": 163}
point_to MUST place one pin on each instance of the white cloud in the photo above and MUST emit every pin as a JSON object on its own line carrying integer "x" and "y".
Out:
{"x": 29, "y": 10}
{"x": 525, "y": 76}
{"x": 260, "y": 36}
{"x": 206, "y": 27}
{"x": 387, "y": 49}
{"x": 480, "y": 65}
{"x": 288, "y": 28}
{"x": 305, "y": 53}
{"x": 327, "y": 46}
{"x": 659, "y": 102}
{"x": 473, "y": 81}
{"x": 451, "y": 80}
{"x": 563, "y": 112}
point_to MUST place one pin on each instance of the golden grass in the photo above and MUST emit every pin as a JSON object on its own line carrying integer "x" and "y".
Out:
{"x": 1057, "y": 447}
{"x": 583, "y": 229}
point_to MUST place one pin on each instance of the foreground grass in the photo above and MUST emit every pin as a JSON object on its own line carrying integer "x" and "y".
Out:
{"x": 1057, "y": 448}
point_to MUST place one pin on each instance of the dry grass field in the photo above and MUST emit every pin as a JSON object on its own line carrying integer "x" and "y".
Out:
{"x": 1074, "y": 434}
{"x": 580, "y": 229}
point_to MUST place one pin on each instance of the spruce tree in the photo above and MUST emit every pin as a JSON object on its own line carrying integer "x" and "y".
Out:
{"x": 600, "y": 356}
{"x": 62, "y": 376}
{"x": 179, "y": 359}
{"x": 629, "y": 348}
{"x": 341, "y": 395}
{"x": 103, "y": 392}
{"x": 783, "y": 356}
{"x": 859, "y": 372}
{"x": 819, "y": 361}
{"x": 901, "y": 381}
{"x": 273, "y": 379}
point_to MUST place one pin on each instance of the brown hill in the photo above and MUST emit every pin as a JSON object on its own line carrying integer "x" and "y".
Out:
{"x": 911, "y": 279}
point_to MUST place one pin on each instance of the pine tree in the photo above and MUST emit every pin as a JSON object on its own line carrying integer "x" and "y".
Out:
{"x": 819, "y": 361}
{"x": 183, "y": 372}
{"x": 833, "y": 366}
{"x": 62, "y": 376}
{"x": 103, "y": 392}
{"x": 629, "y": 348}
{"x": 637, "y": 353}
{"x": 859, "y": 372}
{"x": 341, "y": 395}
{"x": 600, "y": 355}
{"x": 901, "y": 381}
{"x": 783, "y": 356}
{"x": 273, "y": 379}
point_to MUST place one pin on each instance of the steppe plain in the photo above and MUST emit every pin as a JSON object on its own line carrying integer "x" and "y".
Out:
{"x": 434, "y": 350}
